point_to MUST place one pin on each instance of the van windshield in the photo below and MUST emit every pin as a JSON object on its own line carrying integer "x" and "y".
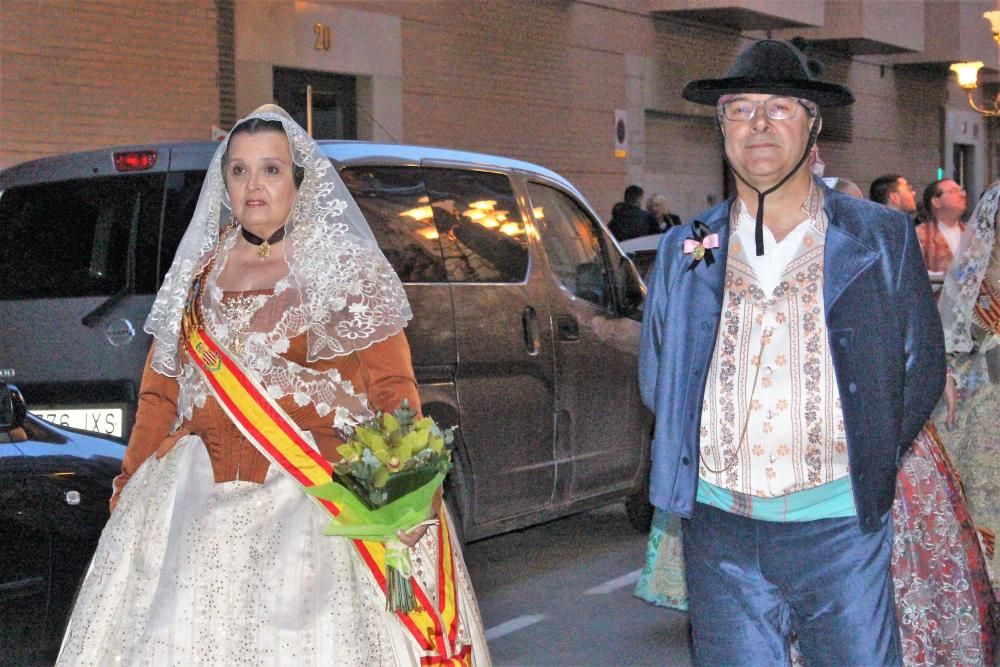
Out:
{"x": 71, "y": 238}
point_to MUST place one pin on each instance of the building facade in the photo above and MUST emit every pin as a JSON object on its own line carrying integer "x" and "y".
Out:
{"x": 589, "y": 88}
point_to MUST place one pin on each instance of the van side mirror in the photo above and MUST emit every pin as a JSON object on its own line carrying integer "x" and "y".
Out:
{"x": 12, "y": 408}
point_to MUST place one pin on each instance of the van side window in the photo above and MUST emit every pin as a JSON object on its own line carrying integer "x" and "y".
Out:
{"x": 72, "y": 238}
{"x": 572, "y": 243}
{"x": 394, "y": 201}
{"x": 479, "y": 223}
{"x": 183, "y": 188}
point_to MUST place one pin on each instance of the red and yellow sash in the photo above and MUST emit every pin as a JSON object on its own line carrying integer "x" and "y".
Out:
{"x": 987, "y": 308}
{"x": 433, "y": 627}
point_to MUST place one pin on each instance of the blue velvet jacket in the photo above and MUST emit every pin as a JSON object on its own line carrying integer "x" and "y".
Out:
{"x": 884, "y": 333}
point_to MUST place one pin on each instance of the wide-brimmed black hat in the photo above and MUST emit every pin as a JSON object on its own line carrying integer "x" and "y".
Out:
{"x": 770, "y": 67}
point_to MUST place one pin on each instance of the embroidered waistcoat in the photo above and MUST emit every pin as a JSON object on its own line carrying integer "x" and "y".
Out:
{"x": 771, "y": 419}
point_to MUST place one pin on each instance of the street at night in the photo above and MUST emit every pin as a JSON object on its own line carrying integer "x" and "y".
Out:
{"x": 557, "y": 594}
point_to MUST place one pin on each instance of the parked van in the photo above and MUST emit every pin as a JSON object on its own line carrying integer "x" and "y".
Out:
{"x": 526, "y": 312}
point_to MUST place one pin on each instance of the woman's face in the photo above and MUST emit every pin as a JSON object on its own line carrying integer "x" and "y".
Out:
{"x": 260, "y": 181}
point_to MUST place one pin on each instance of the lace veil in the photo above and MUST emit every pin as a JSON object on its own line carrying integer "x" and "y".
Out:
{"x": 963, "y": 280}
{"x": 340, "y": 290}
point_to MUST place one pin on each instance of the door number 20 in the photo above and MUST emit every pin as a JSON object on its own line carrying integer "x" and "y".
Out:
{"x": 323, "y": 39}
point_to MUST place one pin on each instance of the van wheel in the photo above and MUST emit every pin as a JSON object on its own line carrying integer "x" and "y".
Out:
{"x": 639, "y": 511}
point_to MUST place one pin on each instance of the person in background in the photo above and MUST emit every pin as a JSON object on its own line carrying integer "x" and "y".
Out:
{"x": 894, "y": 191}
{"x": 656, "y": 205}
{"x": 848, "y": 187}
{"x": 750, "y": 310}
{"x": 628, "y": 219}
{"x": 944, "y": 204}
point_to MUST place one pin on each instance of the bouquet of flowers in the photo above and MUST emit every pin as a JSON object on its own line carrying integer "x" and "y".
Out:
{"x": 390, "y": 469}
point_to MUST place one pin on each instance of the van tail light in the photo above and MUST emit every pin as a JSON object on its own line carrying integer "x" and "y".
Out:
{"x": 135, "y": 160}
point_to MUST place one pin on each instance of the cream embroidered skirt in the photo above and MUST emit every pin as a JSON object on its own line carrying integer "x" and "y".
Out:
{"x": 190, "y": 572}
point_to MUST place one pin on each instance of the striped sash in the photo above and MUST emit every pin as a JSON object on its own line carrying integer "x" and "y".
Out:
{"x": 261, "y": 420}
{"x": 987, "y": 308}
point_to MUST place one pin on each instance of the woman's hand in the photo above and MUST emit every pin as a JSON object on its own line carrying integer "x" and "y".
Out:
{"x": 951, "y": 400}
{"x": 411, "y": 538}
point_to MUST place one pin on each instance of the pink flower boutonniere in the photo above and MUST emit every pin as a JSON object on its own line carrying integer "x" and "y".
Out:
{"x": 700, "y": 245}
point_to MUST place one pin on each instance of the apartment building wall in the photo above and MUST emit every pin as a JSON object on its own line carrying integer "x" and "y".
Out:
{"x": 81, "y": 74}
{"x": 539, "y": 80}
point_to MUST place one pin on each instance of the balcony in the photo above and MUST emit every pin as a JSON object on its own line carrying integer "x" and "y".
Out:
{"x": 743, "y": 15}
{"x": 868, "y": 27}
{"x": 955, "y": 31}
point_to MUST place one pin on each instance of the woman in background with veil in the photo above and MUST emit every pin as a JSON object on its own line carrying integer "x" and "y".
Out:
{"x": 214, "y": 554}
{"x": 970, "y": 313}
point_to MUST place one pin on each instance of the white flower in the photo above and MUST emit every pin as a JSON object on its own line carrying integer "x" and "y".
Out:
{"x": 342, "y": 417}
{"x": 300, "y": 398}
{"x": 280, "y": 345}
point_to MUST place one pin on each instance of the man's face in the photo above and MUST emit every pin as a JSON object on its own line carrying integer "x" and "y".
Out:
{"x": 761, "y": 149}
{"x": 951, "y": 201}
{"x": 904, "y": 198}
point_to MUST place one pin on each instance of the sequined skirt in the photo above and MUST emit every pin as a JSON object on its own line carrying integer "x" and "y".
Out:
{"x": 944, "y": 602}
{"x": 191, "y": 572}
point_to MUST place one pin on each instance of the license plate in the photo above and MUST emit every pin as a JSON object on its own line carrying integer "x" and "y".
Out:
{"x": 103, "y": 420}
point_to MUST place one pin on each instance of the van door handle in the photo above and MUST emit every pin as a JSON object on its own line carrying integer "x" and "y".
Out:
{"x": 532, "y": 336}
{"x": 568, "y": 328}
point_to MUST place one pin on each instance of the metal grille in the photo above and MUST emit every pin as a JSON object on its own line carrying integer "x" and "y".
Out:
{"x": 227, "y": 63}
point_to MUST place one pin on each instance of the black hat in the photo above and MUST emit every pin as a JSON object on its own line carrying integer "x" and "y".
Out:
{"x": 771, "y": 67}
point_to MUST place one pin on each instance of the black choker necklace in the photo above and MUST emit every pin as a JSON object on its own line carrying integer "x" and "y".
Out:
{"x": 265, "y": 244}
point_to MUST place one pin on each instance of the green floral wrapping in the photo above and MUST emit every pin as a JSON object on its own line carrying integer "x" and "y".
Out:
{"x": 358, "y": 521}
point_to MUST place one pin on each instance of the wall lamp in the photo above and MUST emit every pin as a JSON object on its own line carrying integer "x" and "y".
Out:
{"x": 968, "y": 72}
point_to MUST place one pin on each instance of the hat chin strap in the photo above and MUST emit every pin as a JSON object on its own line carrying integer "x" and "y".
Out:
{"x": 758, "y": 231}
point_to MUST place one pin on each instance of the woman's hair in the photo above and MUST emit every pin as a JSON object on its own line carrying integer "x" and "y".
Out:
{"x": 255, "y": 126}
{"x": 660, "y": 199}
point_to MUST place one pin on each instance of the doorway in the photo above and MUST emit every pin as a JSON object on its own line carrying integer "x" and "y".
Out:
{"x": 963, "y": 166}
{"x": 322, "y": 102}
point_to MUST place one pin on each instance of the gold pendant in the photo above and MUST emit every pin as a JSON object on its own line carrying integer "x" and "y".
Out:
{"x": 264, "y": 250}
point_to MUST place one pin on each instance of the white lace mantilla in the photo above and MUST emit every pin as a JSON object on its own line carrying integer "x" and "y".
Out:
{"x": 340, "y": 290}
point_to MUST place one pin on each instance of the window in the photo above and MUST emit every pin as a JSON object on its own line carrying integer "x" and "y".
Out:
{"x": 183, "y": 189}
{"x": 572, "y": 243}
{"x": 441, "y": 225}
{"x": 480, "y": 226}
{"x": 395, "y": 203}
{"x": 73, "y": 238}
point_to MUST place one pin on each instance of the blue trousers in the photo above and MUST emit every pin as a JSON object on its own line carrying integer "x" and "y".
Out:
{"x": 751, "y": 583}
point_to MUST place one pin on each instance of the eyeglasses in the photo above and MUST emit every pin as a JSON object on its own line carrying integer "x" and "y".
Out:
{"x": 776, "y": 108}
{"x": 951, "y": 190}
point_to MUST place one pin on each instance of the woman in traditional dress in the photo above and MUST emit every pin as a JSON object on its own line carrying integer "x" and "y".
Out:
{"x": 970, "y": 312}
{"x": 661, "y": 581}
{"x": 214, "y": 554}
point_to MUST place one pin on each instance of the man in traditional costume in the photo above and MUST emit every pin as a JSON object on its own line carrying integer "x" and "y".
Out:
{"x": 791, "y": 355}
